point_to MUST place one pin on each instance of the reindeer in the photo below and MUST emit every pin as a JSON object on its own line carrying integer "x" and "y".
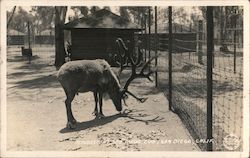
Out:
{"x": 96, "y": 76}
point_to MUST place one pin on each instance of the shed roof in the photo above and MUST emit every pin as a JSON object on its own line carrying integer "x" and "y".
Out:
{"x": 102, "y": 19}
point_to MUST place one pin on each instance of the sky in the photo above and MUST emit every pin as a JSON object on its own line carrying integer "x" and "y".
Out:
{"x": 70, "y": 12}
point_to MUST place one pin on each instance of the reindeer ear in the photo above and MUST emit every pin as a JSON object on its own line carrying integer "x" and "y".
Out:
{"x": 104, "y": 70}
{"x": 105, "y": 67}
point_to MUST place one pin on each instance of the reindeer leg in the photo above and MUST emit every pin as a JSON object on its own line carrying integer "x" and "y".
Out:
{"x": 71, "y": 124}
{"x": 96, "y": 104}
{"x": 71, "y": 120}
{"x": 100, "y": 104}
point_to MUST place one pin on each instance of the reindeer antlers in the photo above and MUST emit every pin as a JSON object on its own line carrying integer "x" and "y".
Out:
{"x": 122, "y": 53}
{"x": 127, "y": 57}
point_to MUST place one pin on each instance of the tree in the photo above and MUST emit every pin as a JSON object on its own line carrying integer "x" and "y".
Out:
{"x": 44, "y": 17}
{"x": 93, "y": 9}
{"x": 222, "y": 16}
{"x": 19, "y": 21}
{"x": 180, "y": 15}
{"x": 223, "y": 23}
{"x": 139, "y": 15}
{"x": 107, "y": 8}
{"x": 80, "y": 9}
{"x": 60, "y": 17}
{"x": 227, "y": 17}
{"x": 124, "y": 13}
{"x": 10, "y": 17}
{"x": 84, "y": 11}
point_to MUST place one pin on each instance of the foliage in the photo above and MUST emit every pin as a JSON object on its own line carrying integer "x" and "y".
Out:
{"x": 80, "y": 10}
{"x": 43, "y": 17}
{"x": 225, "y": 17}
{"x": 124, "y": 13}
{"x": 94, "y": 9}
{"x": 140, "y": 14}
{"x": 10, "y": 16}
{"x": 19, "y": 20}
{"x": 40, "y": 18}
{"x": 83, "y": 11}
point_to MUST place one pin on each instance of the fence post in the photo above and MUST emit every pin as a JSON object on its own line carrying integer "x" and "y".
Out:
{"x": 190, "y": 30}
{"x": 29, "y": 34}
{"x": 200, "y": 51}
{"x": 149, "y": 35}
{"x": 235, "y": 40}
{"x": 156, "y": 48}
{"x": 210, "y": 45}
{"x": 145, "y": 37}
{"x": 170, "y": 42}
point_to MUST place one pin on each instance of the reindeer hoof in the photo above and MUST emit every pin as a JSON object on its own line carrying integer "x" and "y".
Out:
{"x": 100, "y": 116}
{"x": 71, "y": 125}
{"x": 95, "y": 113}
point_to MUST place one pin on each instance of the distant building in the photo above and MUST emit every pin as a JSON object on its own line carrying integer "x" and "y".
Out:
{"x": 94, "y": 36}
{"x": 15, "y": 37}
{"x": 45, "y": 37}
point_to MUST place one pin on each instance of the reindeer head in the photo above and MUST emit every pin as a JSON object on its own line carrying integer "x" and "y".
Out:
{"x": 116, "y": 96}
{"x": 113, "y": 87}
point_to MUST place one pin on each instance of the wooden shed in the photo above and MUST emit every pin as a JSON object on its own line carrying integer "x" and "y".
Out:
{"x": 94, "y": 36}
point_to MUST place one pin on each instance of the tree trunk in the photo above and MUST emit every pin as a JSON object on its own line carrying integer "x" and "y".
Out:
{"x": 11, "y": 16}
{"x": 223, "y": 33}
{"x": 60, "y": 15}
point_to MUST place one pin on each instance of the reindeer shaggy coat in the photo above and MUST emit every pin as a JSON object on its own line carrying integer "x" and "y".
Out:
{"x": 89, "y": 75}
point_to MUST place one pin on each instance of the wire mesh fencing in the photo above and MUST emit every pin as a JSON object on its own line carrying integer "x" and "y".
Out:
{"x": 44, "y": 49}
{"x": 189, "y": 85}
{"x": 189, "y": 82}
{"x": 228, "y": 84}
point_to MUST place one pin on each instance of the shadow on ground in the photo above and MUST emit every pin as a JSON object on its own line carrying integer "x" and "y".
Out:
{"x": 20, "y": 58}
{"x": 37, "y": 74}
{"x": 49, "y": 81}
{"x": 133, "y": 115}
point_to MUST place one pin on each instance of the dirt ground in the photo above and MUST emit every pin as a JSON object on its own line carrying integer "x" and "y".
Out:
{"x": 36, "y": 115}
